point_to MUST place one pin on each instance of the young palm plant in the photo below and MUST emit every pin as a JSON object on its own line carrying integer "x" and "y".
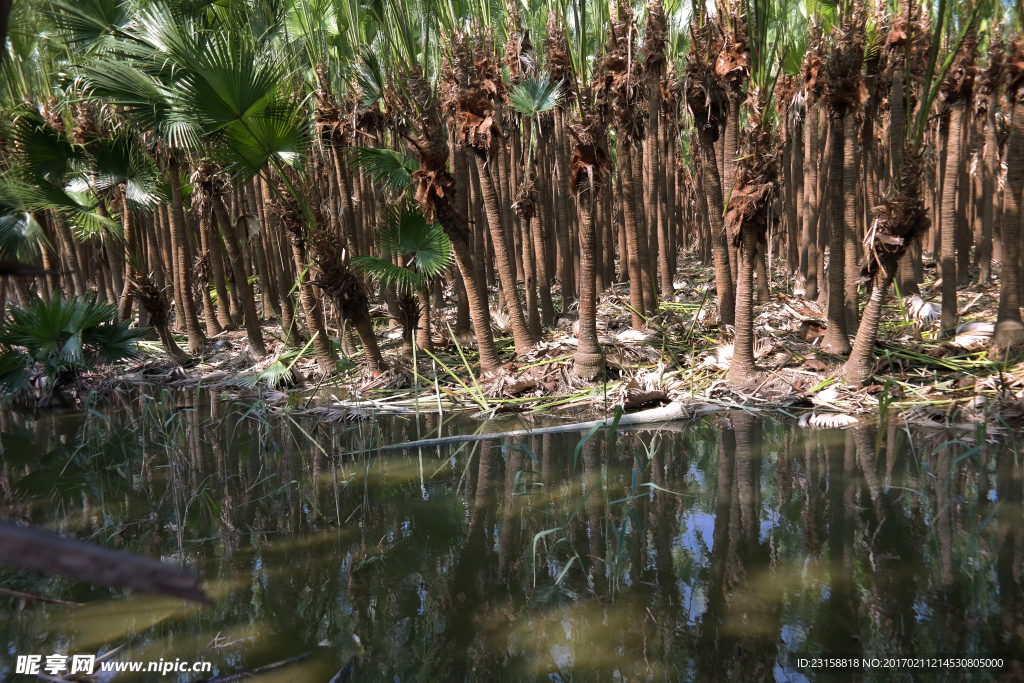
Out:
{"x": 65, "y": 338}
{"x": 425, "y": 252}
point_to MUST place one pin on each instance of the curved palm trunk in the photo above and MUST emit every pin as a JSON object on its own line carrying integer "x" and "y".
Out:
{"x": 949, "y": 221}
{"x": 196, "y": 339}
{"x": 629, "y": 220}
{"x": 458, "y": 234}
{"x": 364, "y": 328}
{"x": 245, "y": 296}
{"x": 588, "y": 360}
{"x": 858, "y": 368}
{"x": 1009, "y": 329}
{"x": 743, "y": 367}
{"x": 506, "y": 271}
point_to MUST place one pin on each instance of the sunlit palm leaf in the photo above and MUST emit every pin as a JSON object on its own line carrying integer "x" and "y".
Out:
{"x": 389, "y": 169}
{"x": 386, "y": 272}
{"x": 43, "y": 149}
{"x": 533, "y": 96}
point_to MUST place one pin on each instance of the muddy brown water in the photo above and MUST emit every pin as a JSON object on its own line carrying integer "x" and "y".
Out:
{"x": 724, "y": 549}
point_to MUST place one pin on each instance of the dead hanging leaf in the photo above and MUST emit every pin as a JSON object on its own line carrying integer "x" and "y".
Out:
{"x": 250, "y": 223}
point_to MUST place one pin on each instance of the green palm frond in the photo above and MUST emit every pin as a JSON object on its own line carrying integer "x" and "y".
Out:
{"x": 91, "y": 25}
{"x": 533, "y": 96}
{"x": 389, "y": 169}
{"x": 120, "y": 160}
{"x": 387, "y": 273}
{"x": 370, "y": 78}
{"x": 281, "y": 134}
{"x": 44, "y": 150}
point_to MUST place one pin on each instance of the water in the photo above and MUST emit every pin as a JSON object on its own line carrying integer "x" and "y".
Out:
{"x": 708, "y": 551}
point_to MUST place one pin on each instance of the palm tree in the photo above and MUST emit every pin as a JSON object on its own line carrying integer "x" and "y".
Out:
{"x": 843, "y": 95}
{"x": 955, "y": 94}
{"x": 706, "y": 99}
{"x": 1009, "y": 330}
{"x": 902, "y": 217}
{"x": 478, "y": 80}
{"x": 586, "y": 172}
{"x": 756, "y": 185}
{"x": 425, "y": 252}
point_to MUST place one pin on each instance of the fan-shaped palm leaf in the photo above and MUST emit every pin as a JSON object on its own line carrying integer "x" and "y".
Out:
{"x": 533, "y": 96}
{"x": 389, "y": 169}
{"x": 425, "y": 246}
{"x": 121, "y": 161}
{"x": 386, "y": 272}
{"x": 44, "y": 150}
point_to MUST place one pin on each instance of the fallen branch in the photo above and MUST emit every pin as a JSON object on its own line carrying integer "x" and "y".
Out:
{"x": 47, "y": 552}
{"x": 674, "y": 411}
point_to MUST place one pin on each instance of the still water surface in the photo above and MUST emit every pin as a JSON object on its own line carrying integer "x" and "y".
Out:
{"x": 707, "y": 551}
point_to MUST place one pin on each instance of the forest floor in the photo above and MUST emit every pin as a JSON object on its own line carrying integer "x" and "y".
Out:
{"x": 680, "y": 356}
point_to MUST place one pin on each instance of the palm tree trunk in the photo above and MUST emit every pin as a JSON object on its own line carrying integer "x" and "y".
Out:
{"x": 314, "y": 311}
{"x": 858, "y": 368}
{"x": 629, "y": 219}
{"x": 643, "y": 236}
{"x": 524, "y": 341}
{"x": 196, "y": 339}
{"x": 262, "y": 267}
{"x": 949, "y": 220}
{"x": 988, "y": 201}
{"x": 290, "y": 333}
{"x": 837, "y": 339}
{"x": 1009, "y": 330}
{"x": 588, "y": 360}
{"x": 213, "y": 327}
{"x": 809, "y": 237}
{"x": 719, "y": 246}
{"x": 850, "y": 219}
{"x": 458, "y": 234}
{"x": 245, "y": 296}
{"x": 563, "y": 210}
{"x": 743, "y": 367}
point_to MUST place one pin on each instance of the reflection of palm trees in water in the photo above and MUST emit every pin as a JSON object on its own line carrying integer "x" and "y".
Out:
{"x": 737, "y": 635}
{"x": 1009, "y": 572}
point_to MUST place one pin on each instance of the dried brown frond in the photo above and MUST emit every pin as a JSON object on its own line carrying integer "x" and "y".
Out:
{"x": 988, "y": 79}
{"x": 844, "y": 86}
{"x": 901, "y": 216}
{"x": 958, "y": 84}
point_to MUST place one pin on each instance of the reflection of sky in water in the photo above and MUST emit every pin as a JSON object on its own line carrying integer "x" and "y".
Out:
{"x": 698, "y": 532}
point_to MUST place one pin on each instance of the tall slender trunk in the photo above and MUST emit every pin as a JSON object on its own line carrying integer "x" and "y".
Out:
{"x": 588, "y": 360}
{"x": 809, "y": 237}
{"x": 1009, "y": 329}
{"x": 244, "y": 290}
{"x": 643, "y": 236}
{"x": 989, "y": 199}
{"x": 291, "y": 334}
{"x": 949, "y": 220}
{"x": 629, "y": 219}
{"x": 213, "y": 327}
{"x": 719, "y": 245}
{"x": 312, "y": 308}
{"x": 196, "y": 339}
{"x": 524, "y": 341}
{"x": 837, "y": 339}
{"x": 458, "y": 234}
{"x": 850, "y": 221}
{"x": 743, "y": 367}
{"x": 562, "y": 210}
